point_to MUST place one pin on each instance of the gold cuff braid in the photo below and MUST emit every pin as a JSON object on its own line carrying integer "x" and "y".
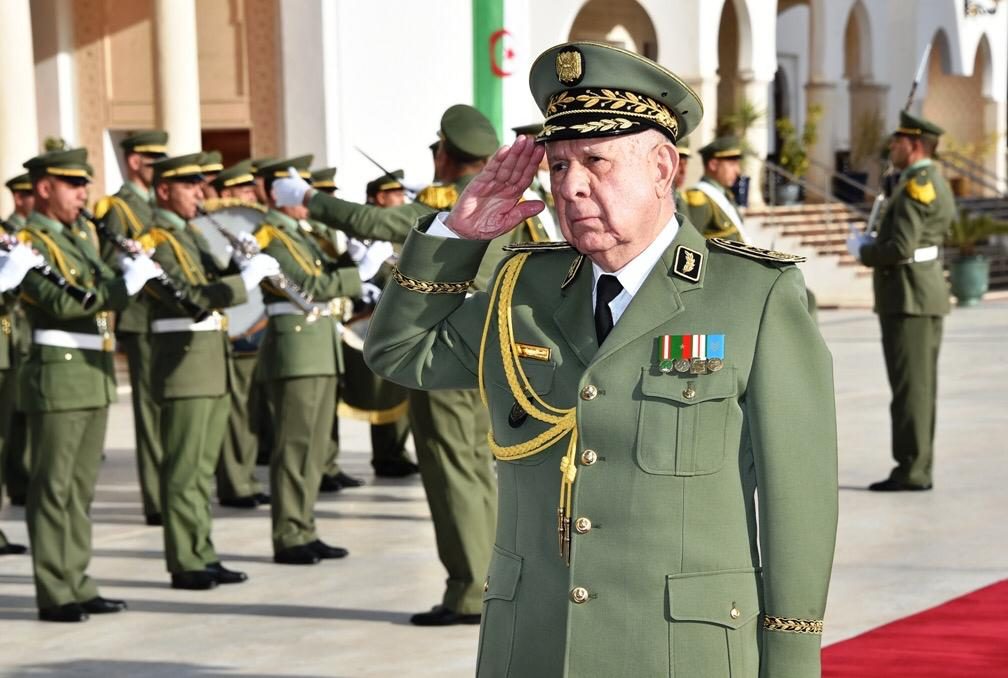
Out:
{"x": 790, "y": 625}
{"x": 430, "y": 286}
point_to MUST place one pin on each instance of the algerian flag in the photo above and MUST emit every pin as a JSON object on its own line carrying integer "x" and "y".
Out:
{"x": 491, "y": 57}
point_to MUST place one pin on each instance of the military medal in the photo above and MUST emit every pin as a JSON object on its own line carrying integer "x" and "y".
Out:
{"x": 691, "y": 353}
{"x": 667, "y": 364}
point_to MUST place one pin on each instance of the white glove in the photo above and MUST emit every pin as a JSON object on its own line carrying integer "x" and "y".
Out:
{"x": 137, "y": 271}
{"x": 373, "y": 258}
{"x": 248, "y": 239}
{"x": 14, "y": 265}
{"x": 370, "y": 293}
{"x": 290, "y": 191}
{"x": 258, "y": 267}
{"x": 356, "y": 249}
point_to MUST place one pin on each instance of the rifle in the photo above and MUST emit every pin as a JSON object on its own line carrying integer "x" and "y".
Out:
{"x": 86, "y": 298}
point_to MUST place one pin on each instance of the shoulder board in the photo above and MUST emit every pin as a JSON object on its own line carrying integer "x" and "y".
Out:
{"x": 921, "y": 189}
{"x": 154, "y": 237}
{"x": 695, "y": 198}
{"x": 264, "y": 234}
{"x": 542, "y": 246}
{"x": 215, "y": 204}
{"x": 438, "y": 197}
{"x": 103, "y": 206}
{"x": 757, "y": 253}
{"x": 24, "y": 235}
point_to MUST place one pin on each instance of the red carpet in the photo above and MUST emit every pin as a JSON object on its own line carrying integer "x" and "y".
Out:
{"x": 966, "y": 637}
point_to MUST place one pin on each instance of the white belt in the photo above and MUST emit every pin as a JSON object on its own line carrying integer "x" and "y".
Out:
{"x": 80, "y": 340}
{"x": 923, "y": 254}
{"x": 215, "y": 322}
{"x": 330, "y": 308}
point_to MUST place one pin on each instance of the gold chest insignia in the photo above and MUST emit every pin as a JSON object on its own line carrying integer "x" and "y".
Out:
{"x": 569, "y": 67}
{"x": 688, "y": 264}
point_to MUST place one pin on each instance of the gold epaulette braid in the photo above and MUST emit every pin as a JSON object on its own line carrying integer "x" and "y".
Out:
{"x": 429, "y": 286}
{"x": 789, "y": 625}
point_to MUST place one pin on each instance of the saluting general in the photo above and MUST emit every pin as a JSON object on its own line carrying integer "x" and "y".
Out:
{"x": 643, "y": 384}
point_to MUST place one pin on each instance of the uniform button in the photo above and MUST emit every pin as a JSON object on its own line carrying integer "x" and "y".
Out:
{"x": 589, "y": 457}
{"x": 486, "y": 584}
{"x": 589, "y": 392}
{"x": 67, "y": 356}
{"x": 297, "y": 328}
{"x": 73, "y": 271}
{"x": 582, "y": 525}
{"x": 734, "y": 614}
{"x": 579, "y": 594}
{"x": 689, "y": 392}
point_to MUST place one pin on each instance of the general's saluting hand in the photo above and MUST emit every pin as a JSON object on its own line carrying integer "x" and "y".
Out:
{"x": 491, "y": 204}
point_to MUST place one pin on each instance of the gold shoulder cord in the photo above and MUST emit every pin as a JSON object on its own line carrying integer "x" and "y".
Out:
{"x": 193, "y": 273}
{"x": 562, "y": 421}
{"x": 306, "y": 264}
{"x": 56, "y": 254}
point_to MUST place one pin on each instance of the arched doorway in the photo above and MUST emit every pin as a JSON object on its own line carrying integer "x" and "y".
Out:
{"x": 621, "y": 23}
{"x": 866, "y": 133}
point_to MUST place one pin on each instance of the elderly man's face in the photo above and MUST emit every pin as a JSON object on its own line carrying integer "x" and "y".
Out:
{"x": 612, "y": 194}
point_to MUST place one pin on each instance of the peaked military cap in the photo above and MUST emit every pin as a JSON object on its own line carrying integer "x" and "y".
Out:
{"x": 914, "y": 126}
{"x": 148, "y": 142}
{"x": 723, "y": 148}
{"x": 589, "y": 89}
{"x": 279, "y": 168}
{"x": 186, "y": 168}
{"x": 386, "y": 182}
{"x": 468, "y": 131}
{"x": 70, "y": 165}
{"x": 324, "y": 178}
{"x": 684, "y": 149}
{"x": 236, "y": 175}
{"x": 262, "y": 161}
{"x": 212, "y": 162}
{"x": 21, "y": 182}
{"x": 534, "y": 129}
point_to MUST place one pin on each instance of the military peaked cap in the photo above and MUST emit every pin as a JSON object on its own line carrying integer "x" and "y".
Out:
{"x": 914, "y": 126}
{"x": 147, "y": 142}
{"x": 386, "y": 182}
{"x": 723, "y": 148}
{"x": 467, "y": 130}
{"x": 212, "y": 162}
{"x": 236, "y": 175}
{"x": 184, "y": 168}
{"x": 70, "y": 165}
{"x": 280, "y": 168}
{"x": 21, "y": 182}
{"x": 324, "y": 178}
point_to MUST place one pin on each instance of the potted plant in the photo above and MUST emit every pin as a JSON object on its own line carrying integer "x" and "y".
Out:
{"x": 739, "y": 123}
{"x": 866, "y": 144}
{"x": 793, "y": 150}
{"x": 970, "y": 273}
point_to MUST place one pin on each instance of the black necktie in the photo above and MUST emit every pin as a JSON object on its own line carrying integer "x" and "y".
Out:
{"x": 608, "y": 289}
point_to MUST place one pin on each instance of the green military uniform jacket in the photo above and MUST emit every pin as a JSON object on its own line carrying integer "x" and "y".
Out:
{"x": 918, "y": 215}
{"x": 668, "y": 575}
{"x": 709, "y": 218}
{"x": 128, "y": 213}
{"x": 54, "y": 377}
{"x": 294, "y": 347}
{"x": 188, "y": 364}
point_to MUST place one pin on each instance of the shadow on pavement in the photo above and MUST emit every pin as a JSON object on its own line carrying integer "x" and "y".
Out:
{"x": 120, "y": 668}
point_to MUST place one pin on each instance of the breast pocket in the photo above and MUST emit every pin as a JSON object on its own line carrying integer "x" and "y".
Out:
{"x": 683, "y": 420}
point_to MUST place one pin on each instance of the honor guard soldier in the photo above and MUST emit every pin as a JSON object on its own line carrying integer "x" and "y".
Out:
{"x": 710, "y": 204}
{"x": 68, "y": 383}
{"x": 212, "y": 164}
{"x": 643, "y": 384}
{"x": 680, "y": 177}
{"x": 261, "y": 161}
{"x": 300, "y": 360}
{"x": 911, "y": 296}
{"x": 128, "y": 213}
{"x": 237, "y": 183}
{"x": 15, "y": 454}
{"x": 324, "y": 180}
{"x": 189, "y": 369}
{"x": 449, "y": 426}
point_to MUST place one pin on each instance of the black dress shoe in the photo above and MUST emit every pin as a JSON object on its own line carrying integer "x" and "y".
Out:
{"x": 348, "y": 481}
{"x": 193, "y": 580}
{"x": 296, "y": 555}
{"x": 224, "y": 575}
{"x": 262, "y": 498}
{"x": 99, "y": 605}
{"x": 440, "y": 615}
{"x": 329, "y": 484}
{"x": 395, "y": 468}
{"x": 326, "y": 552}
{"x": 154, "y": 519}
{"x": 13, "y": 549}
{"x": 18, "y": 501}
{"x": 890, "y": 485}
{"x": 249, "y": 502}
{"x": 71, "y": 612}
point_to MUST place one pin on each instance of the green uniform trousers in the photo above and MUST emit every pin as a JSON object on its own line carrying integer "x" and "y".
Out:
{"x": 450, "y": 432}
{"x": 8, "y": 390}
{"x": 192, "y": 430}
{"x": 911, "y": 344}
{"x": 65, "y": 466}
{"x": 146, "y": 419}
{"x": 236, "y": 468}
{"x": 304, "y": 408}
{"x": 330, "y": 462}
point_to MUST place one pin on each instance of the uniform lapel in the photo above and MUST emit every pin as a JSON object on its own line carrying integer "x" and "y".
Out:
{"x": 574, "y": 315}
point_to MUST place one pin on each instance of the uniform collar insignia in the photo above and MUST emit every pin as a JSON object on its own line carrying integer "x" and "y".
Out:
{"x": 572, "y": 271}
{"x": 688, "y": 263}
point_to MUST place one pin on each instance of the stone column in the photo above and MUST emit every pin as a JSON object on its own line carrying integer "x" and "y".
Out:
{"x": 18, "y": 120}
{"x": 821, "y": 94}
{"x": 868, "y": 106}
{"x": 994, "y": 123}
{"x": 175, "y": 58}
{"x": 706, "y": 89}
{"x": 757, "y": 92}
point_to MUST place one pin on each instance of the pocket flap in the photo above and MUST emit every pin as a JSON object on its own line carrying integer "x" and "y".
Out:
{"x": 503, "y": 575}
{"x": 728, "y": 598}
{"x": 714, "y": 386}
{"x": 539, "y": 373}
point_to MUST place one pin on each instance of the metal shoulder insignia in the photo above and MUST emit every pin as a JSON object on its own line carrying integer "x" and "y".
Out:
{"x": 438, "y": 197}
{"x": 541, "y": 246}
{"x": 695, "y": 198}
{"x": 921, "y": 189}
{"x": 758, "y": 253}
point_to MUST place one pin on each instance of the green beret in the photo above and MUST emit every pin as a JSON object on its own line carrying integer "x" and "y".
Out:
{"x": 914, "y": 126}
{"x": 185, "y": 168}
{"x": 236, "y": 175}
{"x": 147, "y": 142}
{"x": 468, "y": 131}
{"x": 386, "y": 182}
{"x": 722, "y": 148}
{"x": 21, "y": 182}
{"x": 279, "y": 168}
{"x": 70, "y": 165}
{"x": 324, "y": 178}
{"x": 212, "y": 162}
{"x": 589, "y": 89}
{"x": 534, "y": 129}
{"x": 263, "y": 160}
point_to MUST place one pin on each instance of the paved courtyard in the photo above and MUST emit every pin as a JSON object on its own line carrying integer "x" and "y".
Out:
{"x": 896, "y": 554}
